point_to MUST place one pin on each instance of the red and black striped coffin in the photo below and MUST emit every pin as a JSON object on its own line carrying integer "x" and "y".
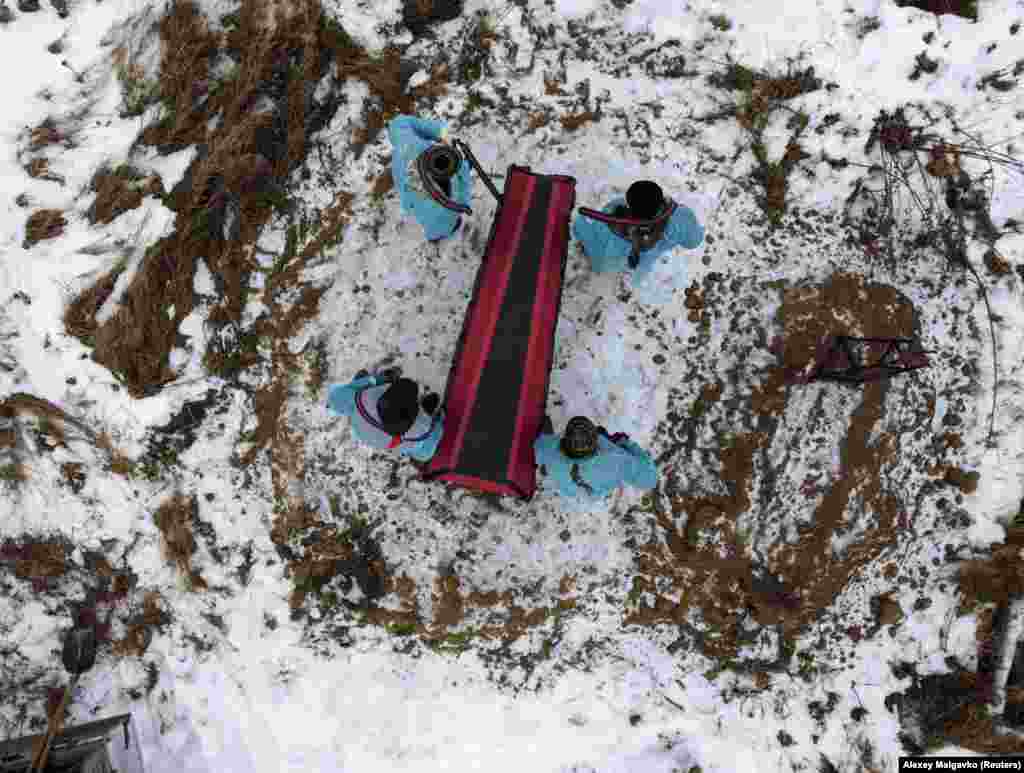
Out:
{"x": 498, "y": 384}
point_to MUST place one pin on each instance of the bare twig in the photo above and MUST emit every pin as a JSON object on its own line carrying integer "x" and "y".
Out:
{"x": 960, "y": 252}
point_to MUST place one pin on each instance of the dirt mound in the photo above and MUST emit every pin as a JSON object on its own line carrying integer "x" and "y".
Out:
{"x": 707, "y": 565}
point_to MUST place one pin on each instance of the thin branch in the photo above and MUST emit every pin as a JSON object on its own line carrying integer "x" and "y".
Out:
{"x": 962, "y": 254}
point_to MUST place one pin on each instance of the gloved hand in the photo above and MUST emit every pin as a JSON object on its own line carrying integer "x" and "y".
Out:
{"x": 430, "y": 403}
{"x": 362, "y": 374}
{"x": 389, "y": 374}
{"x": 618, "y": 437}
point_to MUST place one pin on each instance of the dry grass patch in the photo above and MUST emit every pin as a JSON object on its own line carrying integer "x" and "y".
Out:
{"x": 39, "y": 169}
{"x": 119, "y": 190}
{"x": 175, "y": 518}
{"x": 553, "y": 88}
{"x": 46, "y": 133}
{"x": 39, "y": 560}
{"x": 280, "y": 49}
{"x": 537, "y": 121}
{"x": 572, "y": 122}
{"x": 761, "y": 96}
{"x": 435, "y": 86}
{"x": 44, "y": 224}
{"x": 120, "y": 463}
{"x": 80, "y": 315}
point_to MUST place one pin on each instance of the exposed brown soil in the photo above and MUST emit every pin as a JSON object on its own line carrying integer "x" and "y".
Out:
{"x": 175, "y": 518}
{"x": 44, "y": 224}
{"x": 705, "y": 565}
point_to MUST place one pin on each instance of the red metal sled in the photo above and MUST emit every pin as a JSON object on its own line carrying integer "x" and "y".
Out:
{"x": 498, "y": 383}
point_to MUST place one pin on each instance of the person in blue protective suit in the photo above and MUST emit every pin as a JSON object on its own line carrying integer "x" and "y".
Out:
{"x": 386, "y": 412}
{"x": 587, "y": 462}
{"x": 434, "y": 182}
{"x": 652, "y": 225}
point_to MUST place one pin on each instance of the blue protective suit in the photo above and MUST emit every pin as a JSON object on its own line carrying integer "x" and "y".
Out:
{"x": 358, "y": 401}
{"x": 410, "y": 136}
{"x": 613, "y": 465}
{"x": 610, "y": 252}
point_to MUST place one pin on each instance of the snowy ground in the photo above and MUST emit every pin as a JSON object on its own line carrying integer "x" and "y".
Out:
{"x": 242, "y": 681}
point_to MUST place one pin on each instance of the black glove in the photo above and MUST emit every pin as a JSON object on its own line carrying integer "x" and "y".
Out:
{"x": 362, "y": 374}
{"x": 618, "y": 437}
{"x": 547, "y": 428}
{"x": 634, "y": 260}
{"x": 430, "y": 403}
{"x": 389, "y": 374}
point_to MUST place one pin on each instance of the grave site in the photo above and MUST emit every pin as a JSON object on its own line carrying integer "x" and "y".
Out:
{"x": 206, "y": 228}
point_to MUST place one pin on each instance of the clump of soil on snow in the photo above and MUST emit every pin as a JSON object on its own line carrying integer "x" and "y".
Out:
{"x": 139, "y": 630}
{"x": 175, "y": 518}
